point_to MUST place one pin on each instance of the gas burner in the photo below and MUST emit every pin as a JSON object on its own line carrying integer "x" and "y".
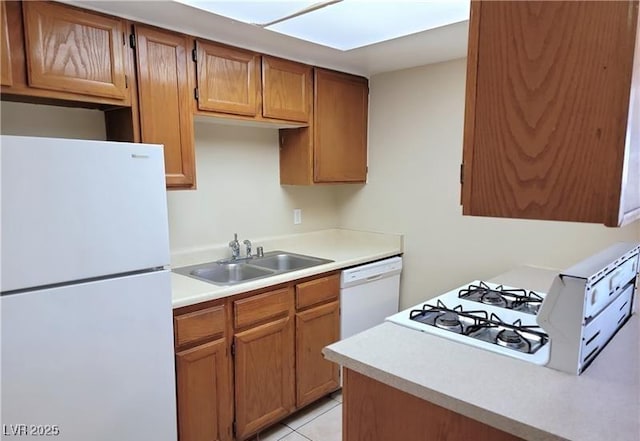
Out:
{"x": 513, "y": 340}
{"x": 502, "y": 297}
{"x": 449, "y": 320}
{"x": 493, "y": 298}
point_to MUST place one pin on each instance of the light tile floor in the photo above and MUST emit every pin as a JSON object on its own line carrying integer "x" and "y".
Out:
{"x": 321, "y": 421}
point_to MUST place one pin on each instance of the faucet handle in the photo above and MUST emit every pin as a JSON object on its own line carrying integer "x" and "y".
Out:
{"x": 260, "y": 252}
{"x": 247, "y": 243}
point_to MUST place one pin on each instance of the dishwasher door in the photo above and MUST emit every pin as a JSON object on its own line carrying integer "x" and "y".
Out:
{"x": 369, "y": 294}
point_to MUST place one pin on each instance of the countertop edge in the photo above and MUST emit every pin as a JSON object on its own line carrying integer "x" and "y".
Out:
{"x": 433, "y": 396}
{"x": 218, "y": 292}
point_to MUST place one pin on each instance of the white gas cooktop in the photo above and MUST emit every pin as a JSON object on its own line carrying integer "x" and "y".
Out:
{"x": 497, "y": 318}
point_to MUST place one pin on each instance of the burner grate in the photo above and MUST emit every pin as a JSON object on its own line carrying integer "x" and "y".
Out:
{"x": 482, "y": 326}
{"x": 511, "y": 298}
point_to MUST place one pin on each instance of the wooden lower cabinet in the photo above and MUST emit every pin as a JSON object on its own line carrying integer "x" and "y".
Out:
{"x": 203, "y": 371}
{"x": 373, "y": 411}
{"x": 205, "y": 400}
{"x": 264, "y": 370}
{"x": 247, "y": 362}
{"x": 316, "y": 328}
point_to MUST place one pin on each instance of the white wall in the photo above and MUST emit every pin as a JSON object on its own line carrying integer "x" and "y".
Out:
{"x": 56, "y": 122}
{"x": 236, "y": 170}
{"x": 415, "y": 150}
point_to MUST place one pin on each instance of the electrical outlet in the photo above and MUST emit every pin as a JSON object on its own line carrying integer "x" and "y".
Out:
{"x": 297, "y": 216}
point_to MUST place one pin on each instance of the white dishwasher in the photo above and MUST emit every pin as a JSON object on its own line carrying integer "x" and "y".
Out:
{"x": 369, "y": 294}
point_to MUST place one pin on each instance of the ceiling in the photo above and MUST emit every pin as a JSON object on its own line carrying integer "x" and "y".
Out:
{"x": 431, "y": 46}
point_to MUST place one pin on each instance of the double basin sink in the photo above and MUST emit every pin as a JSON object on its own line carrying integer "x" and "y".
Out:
{"x": 231, "y": 272}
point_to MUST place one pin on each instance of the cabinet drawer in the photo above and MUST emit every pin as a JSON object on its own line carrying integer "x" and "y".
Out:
{"x": 317, "y": 291}
{"x": 199, "y": 325}
{"x": 262, "y": 307}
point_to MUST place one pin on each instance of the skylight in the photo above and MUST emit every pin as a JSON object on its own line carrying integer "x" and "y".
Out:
{"x": 343, "y": 25}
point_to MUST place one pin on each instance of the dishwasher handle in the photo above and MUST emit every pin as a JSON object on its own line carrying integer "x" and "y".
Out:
{"x": 371, "y": 272}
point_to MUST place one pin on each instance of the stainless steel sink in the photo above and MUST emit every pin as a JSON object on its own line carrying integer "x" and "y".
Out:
{"x": 243, "y": 270}
{"x": 281, "y": 261}
{"x": 230, "y": 273}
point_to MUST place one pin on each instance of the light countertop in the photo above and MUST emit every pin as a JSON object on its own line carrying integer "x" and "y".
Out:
{"x": 345, "y": 247}
{"x": 529, "y": 401}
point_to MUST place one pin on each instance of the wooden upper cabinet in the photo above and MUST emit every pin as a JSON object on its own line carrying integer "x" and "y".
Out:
{"x": 6, "y": 76}
{"x": 70, "y": 50}
{"x": 166, "y": 115}
{"x": 340, "y": 127}
{"x": 549, "y": 130}
{"x": 286, "y": 89}
{"x": 228, "y": 79}
{"x": 334, "y": 146}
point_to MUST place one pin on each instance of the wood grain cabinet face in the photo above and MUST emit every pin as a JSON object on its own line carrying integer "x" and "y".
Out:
{"x": 228, "y": 79}
{"x": 264, "y": 373}
{"x": 316, "y": 328}
{"x": 547, "y": 111}
{"x": 286, "y": 89}
{"x": 340, "y": 127}
{"x": 70, "y": 50}
{"x": 166, "y": 115}
{"x": 378, "y": 412}
{"x": 203, "y": 372}
{"x": 334, "y": 146}
{"x": 6, "y": 76}
{"x": 204, "y": 393}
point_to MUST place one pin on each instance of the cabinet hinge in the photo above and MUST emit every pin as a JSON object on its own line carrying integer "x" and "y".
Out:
{"x": 196, "y": 94}
{"x": 462, "y": 173}
{"x": 124, "y": 39}
{"x": 233, "y": 349}
{"x": 234, "y": 430}
{"x": 126, "y": 81}
{"x": 194, "y": 55}
{"x": 132, "y": 41}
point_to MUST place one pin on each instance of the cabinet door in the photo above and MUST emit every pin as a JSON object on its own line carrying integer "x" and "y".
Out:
{"x": 547, "y": 100}
{"x": 205, "y": 400}
{"x": 6, "y": 77}
{"x": 166, "y": 115}
{"x": 264, "y": 375}
{"x": 70, "y": 50}
{"x": 227, "y": 79}
{"x": 315, "y": 329}
{"x": 340, "y": 127}
{"x": 286, "y": 89}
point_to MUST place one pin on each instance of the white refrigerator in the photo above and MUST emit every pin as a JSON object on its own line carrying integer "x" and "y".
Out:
{"x": 86, "y": 316}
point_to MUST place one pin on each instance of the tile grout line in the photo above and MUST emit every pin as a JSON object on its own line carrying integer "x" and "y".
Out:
{"x": 302, "y": 435}
{"x": 315, "y": 417}
{"x": 306, "y": 437}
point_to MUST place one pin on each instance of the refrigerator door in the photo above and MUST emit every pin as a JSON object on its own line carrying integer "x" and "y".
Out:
{"x": 93, "y": 359}
{"x": 76, "y": 209}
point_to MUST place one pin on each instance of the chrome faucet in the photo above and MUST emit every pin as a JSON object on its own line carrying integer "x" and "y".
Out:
{"x": 247, "y": 243}
{"x": 235, "y": 247}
